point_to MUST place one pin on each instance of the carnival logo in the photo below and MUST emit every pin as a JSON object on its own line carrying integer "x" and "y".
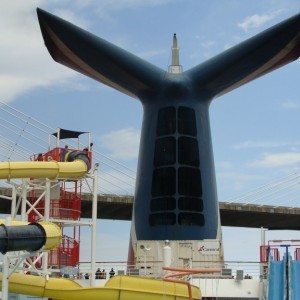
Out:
{"x": 208, "y": 249}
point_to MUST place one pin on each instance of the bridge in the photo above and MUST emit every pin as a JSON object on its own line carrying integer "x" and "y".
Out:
{"x": 232, "y": 214}
{"x": 253, "y": 209}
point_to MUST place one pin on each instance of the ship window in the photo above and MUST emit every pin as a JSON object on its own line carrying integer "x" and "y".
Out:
{"x": 191, "y": 219}
{"x": 163, "y": 182}
{"x": 162, "y": 219}
{"x": 166, "y": 203}
{"x": 188, "y": 151}
{"x": 166, "y": 122}
{"x": 189, "y": 182}
{"x": 187, "y": 121}
{"x": 165, "y": 151}
{"x": 188, "y": 203}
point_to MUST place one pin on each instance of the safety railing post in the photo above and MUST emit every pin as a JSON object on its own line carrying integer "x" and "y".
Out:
{"x": 94, "y": 224}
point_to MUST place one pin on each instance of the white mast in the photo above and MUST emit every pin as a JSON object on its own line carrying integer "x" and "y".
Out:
{"x": 175, "y": 67}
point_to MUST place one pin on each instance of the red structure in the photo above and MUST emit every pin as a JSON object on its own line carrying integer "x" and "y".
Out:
{"x": 65, "y": 205}
{"x": 266, "y": 252}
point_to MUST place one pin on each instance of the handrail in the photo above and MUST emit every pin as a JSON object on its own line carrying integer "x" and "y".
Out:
{"x": 184, "y": 272}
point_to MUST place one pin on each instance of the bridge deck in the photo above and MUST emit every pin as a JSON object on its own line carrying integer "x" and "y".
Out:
{"x": 233, "y": 214}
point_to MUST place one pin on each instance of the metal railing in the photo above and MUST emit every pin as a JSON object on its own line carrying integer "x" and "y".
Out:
{"x": 229, "y": 269}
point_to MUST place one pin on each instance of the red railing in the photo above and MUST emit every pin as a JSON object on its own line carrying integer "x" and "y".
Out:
{"x": 59, "y": 154}
{"x": 67, "y": 207}
{"x": 266, "y": 252}
{"x": 67, "y": 254}
{"x": 297, "y": 254}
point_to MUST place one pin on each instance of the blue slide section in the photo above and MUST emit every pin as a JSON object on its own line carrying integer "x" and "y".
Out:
{"x": 294, "y": 283}
{"x": 276, "y": 280}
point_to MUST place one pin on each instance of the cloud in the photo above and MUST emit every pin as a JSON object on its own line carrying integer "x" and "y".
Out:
{"x": 275, "y": 160}
{"x": 12, "y": 86}
{"x": 25, "y": 63}
{"x": 122, "y": 144}
{"x": 291, "y": 105}
{"x": 262, "y": 144}
{"x": 256, "y": 20}
{"x": 129, "y": 4}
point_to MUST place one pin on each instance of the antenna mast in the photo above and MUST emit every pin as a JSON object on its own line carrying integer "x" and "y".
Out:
{"x": 175, "y": 67}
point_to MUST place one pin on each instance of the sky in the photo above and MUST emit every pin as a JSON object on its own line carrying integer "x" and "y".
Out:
{"x": 254, "y": 128}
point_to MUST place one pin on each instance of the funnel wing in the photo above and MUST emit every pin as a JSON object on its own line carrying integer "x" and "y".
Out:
{"x": 97, "y": 58}
{"x": 257, "y": 56}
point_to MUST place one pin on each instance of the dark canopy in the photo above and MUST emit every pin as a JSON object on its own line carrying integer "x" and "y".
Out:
{"x": 68, "y": 134}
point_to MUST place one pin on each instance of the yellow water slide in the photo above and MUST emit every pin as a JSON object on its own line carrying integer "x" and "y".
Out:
{"x": 43, "y": 169}
{"x": 117, "y": 288}
{"x": 34, "y": 236}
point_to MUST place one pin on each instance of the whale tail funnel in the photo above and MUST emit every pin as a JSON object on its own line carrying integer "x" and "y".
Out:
{"x": 176, "y": 194}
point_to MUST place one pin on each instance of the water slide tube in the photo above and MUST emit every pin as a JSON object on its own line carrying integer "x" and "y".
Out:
{"x": 29, "y": 236}
{"x": 44, "y": 169}
{"x": 118, "y": 287}
{"x": 276, "y": 280}
{"x": 294, "y": 274}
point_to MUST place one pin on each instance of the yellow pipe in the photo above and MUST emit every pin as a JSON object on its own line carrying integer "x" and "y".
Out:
{"x": 117, "y": 288}
{"x": 14, "y": 222}
{"x": 43, "y": 169}
{"x": 53, "y": 235}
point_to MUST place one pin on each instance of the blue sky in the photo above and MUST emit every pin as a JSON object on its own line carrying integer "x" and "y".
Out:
{"x": 254, "y": 128}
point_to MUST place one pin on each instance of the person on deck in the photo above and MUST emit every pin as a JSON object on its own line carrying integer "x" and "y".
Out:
{"x": 111, "y": 273}
{"x": 64, "y": 152}
{"x": 88, "y": 148}
{"x": 98, "y": 274}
